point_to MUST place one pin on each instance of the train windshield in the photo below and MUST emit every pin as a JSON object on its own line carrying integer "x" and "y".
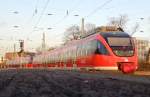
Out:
{"x": 121, "y": 46}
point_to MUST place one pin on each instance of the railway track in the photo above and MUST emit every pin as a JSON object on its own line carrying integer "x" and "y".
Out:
{"x": 59, "y": 83}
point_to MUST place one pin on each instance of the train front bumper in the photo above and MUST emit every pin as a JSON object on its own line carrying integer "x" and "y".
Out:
{"x": 127, "y": 67}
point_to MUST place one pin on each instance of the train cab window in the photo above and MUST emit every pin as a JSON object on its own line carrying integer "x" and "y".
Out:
{"x": 121, "y": 46}
{"x": 101, "y": 49}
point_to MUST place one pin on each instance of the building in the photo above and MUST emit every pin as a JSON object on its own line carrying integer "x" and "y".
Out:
{"x": 143, "y": 47}
{"x": 12, "y": 55}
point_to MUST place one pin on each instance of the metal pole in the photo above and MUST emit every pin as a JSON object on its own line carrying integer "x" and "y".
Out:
{"x": 82, "y": 27}
{"x": 14, "y": 50}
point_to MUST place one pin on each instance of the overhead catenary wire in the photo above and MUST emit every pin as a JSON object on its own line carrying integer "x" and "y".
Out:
{"x": 62, "y": 19}
{"x": 98, "y": 8}
{"x": 46, "y": 4}
{"x": 67, "y": 13}
{"x": 36, "y": 7}
{"x": 40, "y": 17}
{"x": 90, "y": 14}
{"x": 95, "y": 10}
{"x": 35, "y": 11}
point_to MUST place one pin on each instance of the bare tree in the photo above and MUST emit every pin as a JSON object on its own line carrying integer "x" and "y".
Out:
{"x": 72, "y": 33}
{"x": 135, "y": 28}
{"x": 89, "y": 28}
{"x": 40, "y": 49}
{"x": 120, "y": 21}
{"x": 51, "y": 48}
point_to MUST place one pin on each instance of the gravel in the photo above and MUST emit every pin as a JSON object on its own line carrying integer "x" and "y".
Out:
{"x": 57, "y": 83}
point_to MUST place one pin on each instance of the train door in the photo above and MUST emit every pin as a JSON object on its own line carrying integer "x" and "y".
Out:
{"x": 102, "y": 57}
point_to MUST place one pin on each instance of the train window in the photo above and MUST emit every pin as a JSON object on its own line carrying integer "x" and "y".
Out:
{"x": 83, "y": 50}
{"x": 69, "y": 54}
{"x": 73, "y": 51}
{"x": 79, "y": 50}
{"x": 119, "y": 41}
{"x": 49, "y": 58}
{"x": 60, "y": 57}
{"x": 93, "y": 46}
{"x": 121, "y": 46}
{"x": 101, "y": 49}
{"x": 45, "y": 59}
{"x": 64, "y": 56}
{"x": 88, "y": 48}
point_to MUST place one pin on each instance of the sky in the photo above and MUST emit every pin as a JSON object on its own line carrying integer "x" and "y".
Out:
{"x": 28, "y": 19}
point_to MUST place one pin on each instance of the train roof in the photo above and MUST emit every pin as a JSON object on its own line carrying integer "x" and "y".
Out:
{"x": 107, "y": 31}
{"x": 88, "y": 37}
{"x": 114, "y": 34}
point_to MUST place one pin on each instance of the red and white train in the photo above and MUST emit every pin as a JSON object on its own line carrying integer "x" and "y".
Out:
{"x": 107, "y": 49}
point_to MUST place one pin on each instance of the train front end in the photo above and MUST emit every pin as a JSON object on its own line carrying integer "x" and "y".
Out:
{"x": 115, "y": 51}
{"x": 124, "y": 52}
